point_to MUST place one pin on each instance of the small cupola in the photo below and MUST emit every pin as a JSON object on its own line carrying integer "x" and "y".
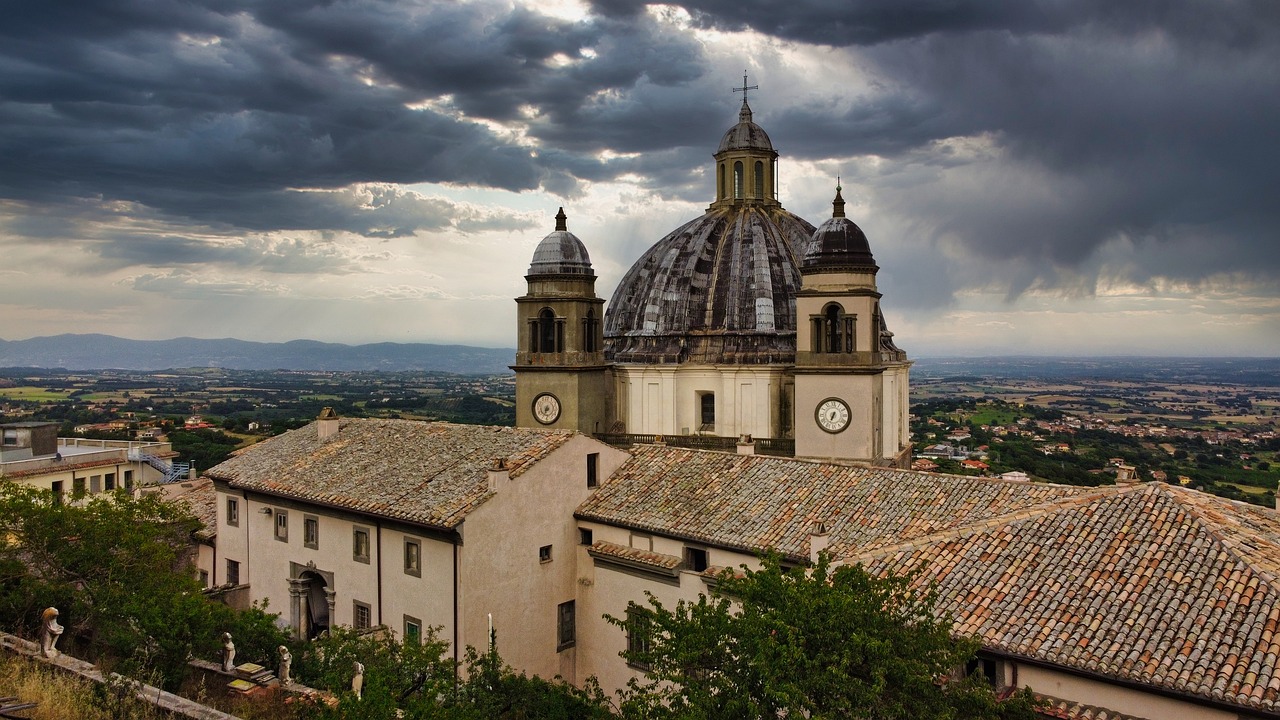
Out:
{"x": 838, "y": 245}
{"x": 746, "y": 168}
{"x": 561, "y": 252}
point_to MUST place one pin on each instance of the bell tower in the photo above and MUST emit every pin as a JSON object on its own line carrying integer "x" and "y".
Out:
{"x": 561, "y": 374}
{"x": 851, "y": 380}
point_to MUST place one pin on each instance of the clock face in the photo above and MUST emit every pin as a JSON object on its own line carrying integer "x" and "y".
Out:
{"x": 832, "y": 415}
{"x": 546, "y": 408}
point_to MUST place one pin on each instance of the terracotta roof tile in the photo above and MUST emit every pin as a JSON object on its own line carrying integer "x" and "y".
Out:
{"x": 754, "y": 502}
{"x": 429, "y": 473}
{"x": 1155, "y": 584}
{"x": 1057, "y": 709}
{"x": 656, "y": 560}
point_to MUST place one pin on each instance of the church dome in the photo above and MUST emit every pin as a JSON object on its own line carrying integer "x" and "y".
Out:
{"x": 561, "y": 253}
{"x": 838, "y": 244}
{"x": 717, "y": 290}
{"x": 746, "y": 135}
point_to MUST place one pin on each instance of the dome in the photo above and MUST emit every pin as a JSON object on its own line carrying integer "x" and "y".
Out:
{"x": 561, "y": 253}
{"x": 838, "y": 244}
{"x": 717, "y": 290}
{"x": 746, "y": 135}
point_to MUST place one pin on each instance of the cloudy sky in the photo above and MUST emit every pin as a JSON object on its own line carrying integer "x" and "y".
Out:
{"x": 1036, "y": 177}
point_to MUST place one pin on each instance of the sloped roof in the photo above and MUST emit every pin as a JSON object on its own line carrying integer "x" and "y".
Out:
{"x": 1155, "y": 584}
{"x": 200, "y": 497}
{"x": 428, "y": 473}
{"x": 754, "y": 502}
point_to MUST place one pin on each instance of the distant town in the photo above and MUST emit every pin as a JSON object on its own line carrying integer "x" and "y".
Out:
{"x": 1209, "y": 425}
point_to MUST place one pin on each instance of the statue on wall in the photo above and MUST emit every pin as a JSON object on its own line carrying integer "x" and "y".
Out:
{"x": 357, "y": 680}
{"x": 228, "y": 653}
{"x": 50, "y": 631}
{"x": 286, "y": 660}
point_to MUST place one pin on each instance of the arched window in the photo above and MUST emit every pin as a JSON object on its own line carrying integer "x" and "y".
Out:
{"x": 737, "y": 180}
{"x": 833, "y": 325}
{"x": 547, "y": 335}
{"x": 720, "y": 186}
{"x": 589, "y": 324}
{"x": 834, "y": 331}
{"x": 759, "y": 180}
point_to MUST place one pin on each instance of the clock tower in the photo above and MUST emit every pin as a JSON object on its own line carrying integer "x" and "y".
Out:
{"x": 851, "y": 380}
{"x": 561, "y": 375}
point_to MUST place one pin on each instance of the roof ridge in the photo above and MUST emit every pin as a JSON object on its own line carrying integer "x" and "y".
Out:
{"x": 1224, "y": 539}
{"x": 991, "y": 523}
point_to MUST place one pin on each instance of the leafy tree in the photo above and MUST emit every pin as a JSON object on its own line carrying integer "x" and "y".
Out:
{"x": 820, "y": 643}
{"x": 119, "y": 570}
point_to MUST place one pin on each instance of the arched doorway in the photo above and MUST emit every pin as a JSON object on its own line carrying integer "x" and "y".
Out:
{"x": 311, "y": 598}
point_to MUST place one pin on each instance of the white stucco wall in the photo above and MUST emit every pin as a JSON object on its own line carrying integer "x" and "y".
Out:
{"x": 665, "y": 400}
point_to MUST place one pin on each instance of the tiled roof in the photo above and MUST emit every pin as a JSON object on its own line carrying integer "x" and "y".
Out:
{"x": 199, "y": 496}
{"x": 1154, "y": 584}
{"x": 1056, "y": 709}
{"x": 635, "y": 556}
{"x": 754, "y": 502}
{"x": 428, "y": 473}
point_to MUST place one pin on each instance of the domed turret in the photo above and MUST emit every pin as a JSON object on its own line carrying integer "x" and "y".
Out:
{"x": 838, "y": 244}
{"x": 746, "y": 135}
{"x": 561, "y": 253}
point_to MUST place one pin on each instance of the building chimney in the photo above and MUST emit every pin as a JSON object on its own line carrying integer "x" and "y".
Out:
{"x": 327, "y": 424}
{"x": 819, "y": 539}
{"x": 499, "y": 474}
{"x": 746, "y": 446}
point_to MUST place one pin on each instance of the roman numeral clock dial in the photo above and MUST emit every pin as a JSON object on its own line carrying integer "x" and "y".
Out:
{"x": 832, "y": 415}
{"x": 546, "y": 408}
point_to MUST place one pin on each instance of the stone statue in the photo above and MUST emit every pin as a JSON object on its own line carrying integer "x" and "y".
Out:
{"x": 357, "y": 681}
{"x": 286, "y": 660}
{"x": 50, "y": 631}
{"x": 228, "y": 653}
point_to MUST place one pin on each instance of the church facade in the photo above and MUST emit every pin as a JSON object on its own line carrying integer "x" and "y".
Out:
{"x": 746, "y": 321}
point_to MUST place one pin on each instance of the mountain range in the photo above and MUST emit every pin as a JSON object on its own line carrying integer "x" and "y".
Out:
{"x": 102, "y": 352}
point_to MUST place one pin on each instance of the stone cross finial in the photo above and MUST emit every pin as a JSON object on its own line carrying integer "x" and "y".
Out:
{"x": 745, "y": 87}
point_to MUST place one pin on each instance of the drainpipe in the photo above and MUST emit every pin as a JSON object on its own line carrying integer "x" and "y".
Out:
{"x": 455, "y": 614}
{"x": 378, "y": 527}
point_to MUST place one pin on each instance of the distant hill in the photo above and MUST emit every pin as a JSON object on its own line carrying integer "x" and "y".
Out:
{"x": 101, "y": 352}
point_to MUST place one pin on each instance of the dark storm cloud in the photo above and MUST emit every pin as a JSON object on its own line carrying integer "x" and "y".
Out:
{"x": 215, "y": 111}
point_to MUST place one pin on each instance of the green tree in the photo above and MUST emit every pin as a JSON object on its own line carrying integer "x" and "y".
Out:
{"x": 820, "y": 643}
{"x": 119, "y": 570}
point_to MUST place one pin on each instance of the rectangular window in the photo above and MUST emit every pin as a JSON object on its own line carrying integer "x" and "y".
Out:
{"x": 695, "y": 559}
{"x": 707, "y": 408}
{"x": 639, "y": 634}
{"x": 233, "y": 572}
{"x": 585, "y": 536}
{"x": 566, "y": 626}
{"x": 544, "y": 554}
{"x": 985, "y": 668}
{"x": 412, "y": 557}
{"x": 10, "y": 437}
{"x": 593, "y": 468}
{"x": 204, "y": 578}
{"x": 360, "y": 544}
{"x": 77, "y": 485}
{"x": 311, "y": 531}
{"x": 362, "y": 615}
{"x": 233, "y": 511}
{"x": 95, "y": 483}
{"x": 56, "y": 489}
{"x": 412, "y": 629}
{"x": 282, "y": 526}
{"x": 128, "y": 479}
{"x": 110, "y": 481}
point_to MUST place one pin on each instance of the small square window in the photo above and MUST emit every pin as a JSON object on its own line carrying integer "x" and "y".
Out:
{"x": 362, "y": 615}
{"x": 412, "y": 557}
{"x": 233, "y": 572}
{"x": 77, "y": 486}
{"x": 566, "y": 629}
{"x": 360, "y": 544}
{"x": 311, "y": 532}
{"x": 412, "y": 629}
{"x": 110, "y": 481}
{"x": 95, "y": 483}
{"x": 233, "y": 509}
{"x": 593, "y": 469}
{"x": 585, "y": 536}
{"x": 282, "y": 526}
{"x": 544, "y": 554}
{"x": 695, "y": 559}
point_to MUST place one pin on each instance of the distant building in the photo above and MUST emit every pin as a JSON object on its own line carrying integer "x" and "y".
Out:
{"x": 32, "y": 454}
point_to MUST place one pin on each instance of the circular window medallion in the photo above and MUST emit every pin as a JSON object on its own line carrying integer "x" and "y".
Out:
{"x": 832, "y": 415}
{"x": 546, "y": 408}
